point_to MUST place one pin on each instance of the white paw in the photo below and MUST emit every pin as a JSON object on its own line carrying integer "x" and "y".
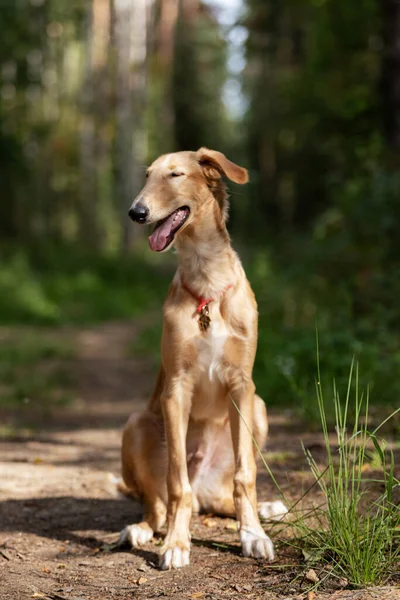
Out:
{"x": 174, "y": 558}
{"x": 136, "y": 535}
{"x": 256, "y": 543}
{"x": 274, "y": 511}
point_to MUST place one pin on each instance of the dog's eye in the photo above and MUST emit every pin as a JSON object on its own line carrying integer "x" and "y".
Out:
{"x": 176, "y": 174}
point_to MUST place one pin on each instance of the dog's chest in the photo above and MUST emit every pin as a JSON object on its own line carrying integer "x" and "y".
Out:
{"x": 210, "y": 349}
{"x": 209, "y": 399}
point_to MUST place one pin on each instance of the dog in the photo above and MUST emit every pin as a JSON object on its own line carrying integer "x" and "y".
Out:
{"x": 192, "y": 450}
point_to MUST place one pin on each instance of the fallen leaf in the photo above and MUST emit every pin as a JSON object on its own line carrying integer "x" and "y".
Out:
{"x": 37, "y": 460}
{"x": 197, "y": 595}
{"x": 248, "y": 587}
{"x": 61, "y": 566}
{"x": 46, "y": 570}
{"x": 39, "y": 595}
{"x": 210, "y": 522}
{"x": 312, "y": 576}
{"x": 141, "y": 580}
{"x": 366, "y": 467}
{"x": 311, "y": 595}
{"x": 231, "y": 526}
{"x": 307, "y": 555}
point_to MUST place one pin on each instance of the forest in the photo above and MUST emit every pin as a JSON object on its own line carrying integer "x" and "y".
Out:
{"x": 303, "y": 93}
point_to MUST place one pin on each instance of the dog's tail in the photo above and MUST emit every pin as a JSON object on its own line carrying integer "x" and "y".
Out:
{"x": 120, "y": 488}
{"x": 125, "y": 491}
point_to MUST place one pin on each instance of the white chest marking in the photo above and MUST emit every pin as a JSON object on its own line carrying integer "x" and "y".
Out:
{"x": 211, "y": 347}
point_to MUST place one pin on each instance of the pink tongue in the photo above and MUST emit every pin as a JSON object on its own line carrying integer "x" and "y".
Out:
{"x": 159, "y": 238}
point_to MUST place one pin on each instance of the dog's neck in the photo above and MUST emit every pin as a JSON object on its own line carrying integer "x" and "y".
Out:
{"x": 207, "y": 262}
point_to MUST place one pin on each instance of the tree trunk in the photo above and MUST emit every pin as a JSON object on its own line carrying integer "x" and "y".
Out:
{"x": 88, "y": 229}
{"x": 130, "y": 38}
{"x": 391, "y": 72}
{"x": 164, "y": 64}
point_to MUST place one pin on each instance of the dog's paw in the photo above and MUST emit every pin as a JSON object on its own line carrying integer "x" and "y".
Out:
{"x": 274, "y": 511}
{"x": 136, "y": 535}
{"x": 256, "y": 543}
{"x": 174, "y": 558}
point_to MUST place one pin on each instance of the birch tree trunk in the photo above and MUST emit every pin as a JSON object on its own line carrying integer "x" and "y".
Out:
{"x": 88, "y": 215}
{"x": 162, "y": 71}
{"x": 130, "y": 39}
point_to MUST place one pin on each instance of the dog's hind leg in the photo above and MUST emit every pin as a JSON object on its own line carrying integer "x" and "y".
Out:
{"x": 154, "y": 518}
{"x": 144, "y": 462}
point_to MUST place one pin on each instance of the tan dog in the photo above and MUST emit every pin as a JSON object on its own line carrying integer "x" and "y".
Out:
{"x": 178, "y": 455}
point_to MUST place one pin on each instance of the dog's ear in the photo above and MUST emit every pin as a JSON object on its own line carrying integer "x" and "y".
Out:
{"x": 213, "y": 162}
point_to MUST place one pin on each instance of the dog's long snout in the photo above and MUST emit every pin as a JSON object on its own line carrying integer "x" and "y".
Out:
{"x": 139, "y": 213}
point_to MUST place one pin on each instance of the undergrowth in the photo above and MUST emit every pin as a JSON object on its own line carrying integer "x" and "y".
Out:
{"x": 33, "y": 371}
{"x": 65, "y": 286}
{"x": 353, "y": 536}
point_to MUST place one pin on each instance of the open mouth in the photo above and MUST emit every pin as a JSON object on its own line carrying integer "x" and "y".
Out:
{"x": 165, "y": 230}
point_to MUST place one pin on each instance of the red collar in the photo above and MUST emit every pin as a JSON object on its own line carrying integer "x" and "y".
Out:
{"x": 202, "y": 301}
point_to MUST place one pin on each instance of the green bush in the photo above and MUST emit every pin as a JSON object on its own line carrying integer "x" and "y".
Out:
{"x": 65, "y": 286}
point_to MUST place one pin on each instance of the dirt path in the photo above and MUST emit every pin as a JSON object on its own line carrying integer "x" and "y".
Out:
{"x": 59, "y": 510}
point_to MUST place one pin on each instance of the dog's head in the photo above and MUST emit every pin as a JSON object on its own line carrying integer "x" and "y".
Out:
{"x": 177, "y": 185}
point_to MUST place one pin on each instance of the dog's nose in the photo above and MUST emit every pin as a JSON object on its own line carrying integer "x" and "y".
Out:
{"x": 139, "y": 213}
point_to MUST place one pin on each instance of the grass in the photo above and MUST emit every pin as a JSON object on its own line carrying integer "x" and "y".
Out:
{"x": 354, "y": 535}
{"x": 32, "y": 371}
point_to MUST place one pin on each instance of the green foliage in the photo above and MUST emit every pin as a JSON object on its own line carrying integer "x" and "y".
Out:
{"x": 343, "y": 274}
{"x": 291, "y": 303}
{"x": 314, "y": 112}
{"x": 356, "y": 531}
{"x": 62, "y": 286}
{"x": 31, "y": 370}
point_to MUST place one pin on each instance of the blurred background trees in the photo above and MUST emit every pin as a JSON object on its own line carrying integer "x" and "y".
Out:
{"x": 305, "y": 93}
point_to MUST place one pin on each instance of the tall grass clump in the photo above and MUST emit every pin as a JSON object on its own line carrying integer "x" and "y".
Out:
{"x": 356, "y": 528}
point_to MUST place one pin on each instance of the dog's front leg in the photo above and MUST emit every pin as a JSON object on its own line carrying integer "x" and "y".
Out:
{"x": 252, "y": 536}
{"x": 176, "y": 548}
